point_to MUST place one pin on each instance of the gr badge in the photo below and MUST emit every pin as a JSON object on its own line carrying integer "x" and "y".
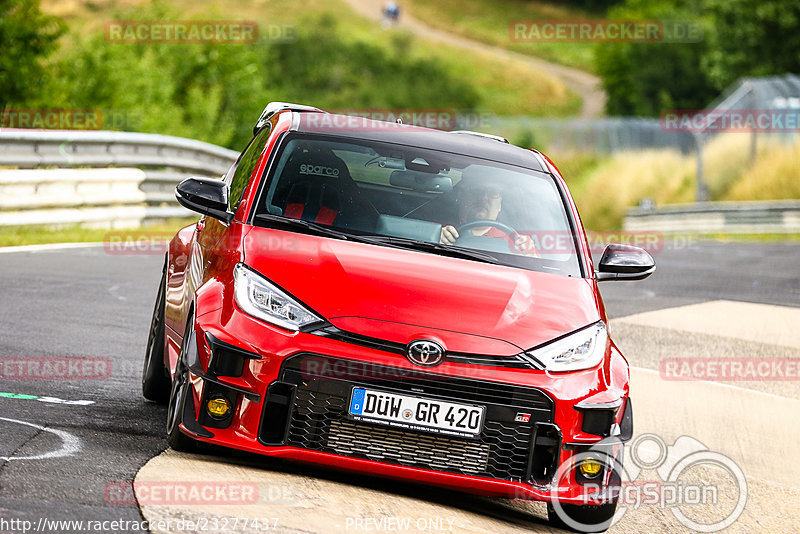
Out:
{"x": 522, "y": 417}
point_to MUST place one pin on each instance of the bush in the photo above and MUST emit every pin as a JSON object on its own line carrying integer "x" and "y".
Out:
{"x": 27, "y": 36}
{"x": 215, "y": 92}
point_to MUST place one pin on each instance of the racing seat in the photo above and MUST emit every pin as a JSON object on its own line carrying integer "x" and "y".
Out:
{"x": 316, "y": 186}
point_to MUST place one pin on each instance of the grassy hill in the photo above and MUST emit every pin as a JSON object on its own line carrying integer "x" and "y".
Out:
{"x": 489, "y": 20}
{"x": 339, "y": 60}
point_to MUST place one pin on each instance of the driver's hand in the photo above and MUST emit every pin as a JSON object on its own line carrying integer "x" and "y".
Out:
{"x": 449, "y": 235}
{"x": 524, "y": 244}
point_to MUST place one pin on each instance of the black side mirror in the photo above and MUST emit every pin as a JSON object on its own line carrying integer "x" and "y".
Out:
{"x": 625, "y": 262}
{"x": 207, "y": 196}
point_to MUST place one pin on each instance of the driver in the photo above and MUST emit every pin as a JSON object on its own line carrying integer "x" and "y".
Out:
{"x": 483, "y": 202}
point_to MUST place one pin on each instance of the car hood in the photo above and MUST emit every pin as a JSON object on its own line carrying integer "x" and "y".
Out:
{"x": 400, "y": 295}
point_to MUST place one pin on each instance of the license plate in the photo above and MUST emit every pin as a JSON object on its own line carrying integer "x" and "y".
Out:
{"x": 416, "y": 413}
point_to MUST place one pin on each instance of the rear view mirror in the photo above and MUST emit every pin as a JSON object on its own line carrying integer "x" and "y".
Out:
{"x": 625, "y": 262}
{"x": 420, "y": 181}
{"x": 206, "y": 196}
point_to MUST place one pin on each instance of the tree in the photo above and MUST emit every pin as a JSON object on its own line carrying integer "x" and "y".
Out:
{"x": 752, "y": 38}
{"x": 27, "y": 36}
{"x": 648, "y": 78}
{"x": 741, "y": 38}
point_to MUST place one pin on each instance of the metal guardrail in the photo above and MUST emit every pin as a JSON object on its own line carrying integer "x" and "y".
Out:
{"x": 61, "y": 148}
{"x": 140, "y": 172}
{"x": 752, "y": 217}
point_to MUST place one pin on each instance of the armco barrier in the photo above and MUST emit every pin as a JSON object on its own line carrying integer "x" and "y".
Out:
{"x": 98, "y": 197}
{"x": 98, "y": 177}
{"x": 753, "y": 217}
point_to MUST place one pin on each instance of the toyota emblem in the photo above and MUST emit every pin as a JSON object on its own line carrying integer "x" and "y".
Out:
{"x": 425, "y": 353}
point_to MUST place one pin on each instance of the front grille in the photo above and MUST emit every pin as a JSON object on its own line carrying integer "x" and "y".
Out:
{"x": 318, "y": 419}
{"x": 514, "y": 362}
{"x": 413, "y": 381}
{"x": 519, "y": 361}
{"x": 395, "y": 446}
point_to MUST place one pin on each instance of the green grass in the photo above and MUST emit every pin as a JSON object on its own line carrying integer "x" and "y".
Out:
{"x": 605, "y": 187}
{"x": 488, "y": 21}
{"x": 11, "y": 236}
{"x": 355, "y": 65}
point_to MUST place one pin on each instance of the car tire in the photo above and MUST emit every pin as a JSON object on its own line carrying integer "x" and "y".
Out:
{"x": 155, "y": 377}
{"x": 179, "y": 394}
{"x": 583, "y": 518}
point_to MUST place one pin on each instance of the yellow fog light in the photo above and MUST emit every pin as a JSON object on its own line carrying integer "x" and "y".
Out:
{"x": 218, "y": 407}
{"x": 590, "y": 467}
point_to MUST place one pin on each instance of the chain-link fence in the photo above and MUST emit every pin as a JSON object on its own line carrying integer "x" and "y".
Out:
{"x": 767, "y": 108}
{"x": 603, "y": 136}
{"x": 760, "y": 106}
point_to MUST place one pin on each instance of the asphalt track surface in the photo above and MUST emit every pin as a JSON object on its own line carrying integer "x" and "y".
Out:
{"x": 66, "y": 445}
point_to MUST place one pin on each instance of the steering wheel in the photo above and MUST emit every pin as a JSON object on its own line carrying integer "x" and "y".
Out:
{"x": 483, "y": 223}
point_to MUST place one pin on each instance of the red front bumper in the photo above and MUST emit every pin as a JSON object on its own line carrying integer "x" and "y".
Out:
{"x": 274, "y": 346}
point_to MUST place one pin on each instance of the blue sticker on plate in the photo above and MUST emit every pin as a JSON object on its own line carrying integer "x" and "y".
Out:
{"x": 357, "y": 401}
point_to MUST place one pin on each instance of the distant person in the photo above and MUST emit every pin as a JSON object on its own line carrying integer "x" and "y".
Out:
{"x": 391, "y": 13}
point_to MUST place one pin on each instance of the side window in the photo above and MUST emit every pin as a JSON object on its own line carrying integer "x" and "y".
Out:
{"x": 246, "y": 165}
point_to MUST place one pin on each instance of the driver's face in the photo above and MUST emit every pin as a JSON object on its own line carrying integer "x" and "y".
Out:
{"x": 481, "y": 202}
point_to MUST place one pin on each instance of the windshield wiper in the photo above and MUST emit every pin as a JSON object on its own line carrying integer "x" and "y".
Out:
{"x": 277, "y": 220}
{"x": 380, "y": 240}
{"x": 436, "y": 248}
{"x": 318, "y": 229}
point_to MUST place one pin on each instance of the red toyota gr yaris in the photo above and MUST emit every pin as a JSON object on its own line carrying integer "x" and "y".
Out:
{"x": 398, "y": 301}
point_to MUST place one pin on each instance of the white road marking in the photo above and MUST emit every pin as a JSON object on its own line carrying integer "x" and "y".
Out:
{"x": 44, "y": 248}
{"x": 114, "y": 290}
{"x": 761, "y": 323}
{"x": 69, "y": 444}
{"x": 751, "y": 428}
{"x": 719, "y": 384}
{"x": 52, "y": 400}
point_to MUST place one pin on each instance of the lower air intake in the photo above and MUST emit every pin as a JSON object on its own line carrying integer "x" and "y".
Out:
{"x": 394, "y": 446}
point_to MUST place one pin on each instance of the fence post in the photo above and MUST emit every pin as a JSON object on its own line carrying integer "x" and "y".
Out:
{"x": 701, "y": 195}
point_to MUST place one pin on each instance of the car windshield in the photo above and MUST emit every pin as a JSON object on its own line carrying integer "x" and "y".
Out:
{"x": 420, "y": 199}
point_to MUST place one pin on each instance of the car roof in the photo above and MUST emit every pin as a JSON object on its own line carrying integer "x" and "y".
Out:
{"x": 464, "y": 143}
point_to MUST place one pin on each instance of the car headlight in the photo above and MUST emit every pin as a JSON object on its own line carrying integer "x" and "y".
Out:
{"x": 256, "y": 296}
{"x": 581, "y": 350}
